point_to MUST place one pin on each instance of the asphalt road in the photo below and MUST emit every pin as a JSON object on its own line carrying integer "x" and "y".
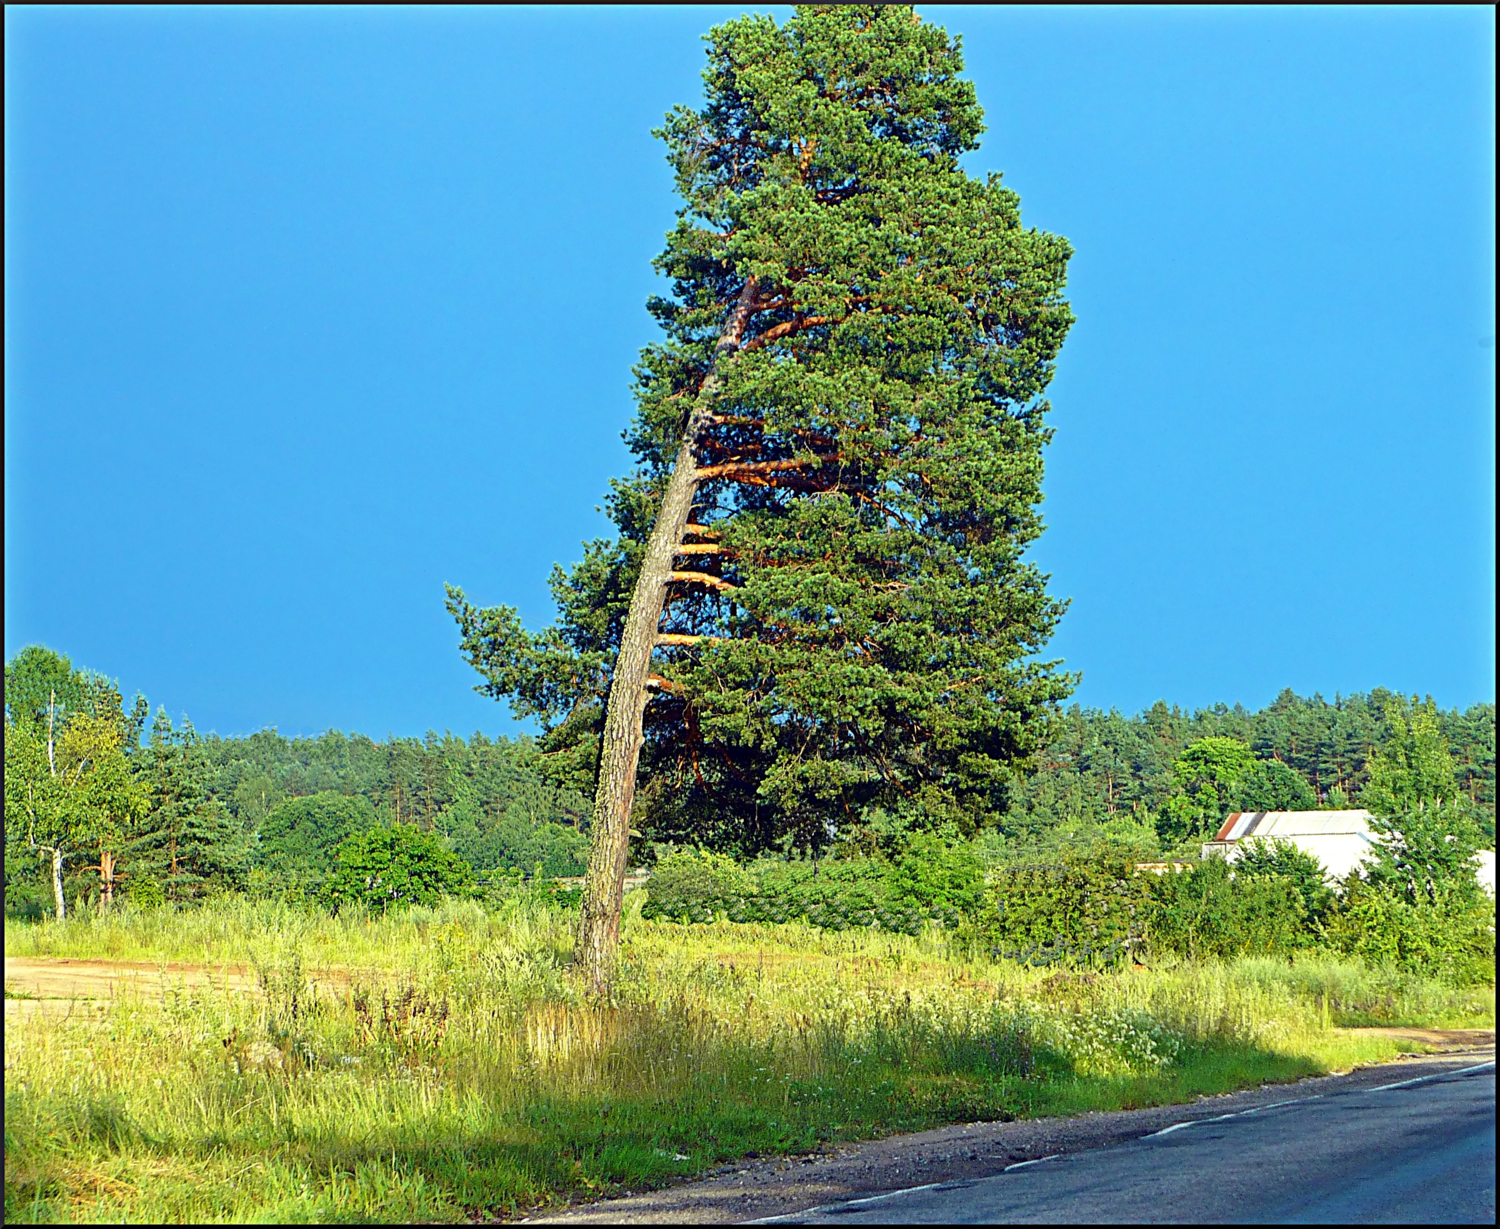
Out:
{"x": 1413, "y": 1152}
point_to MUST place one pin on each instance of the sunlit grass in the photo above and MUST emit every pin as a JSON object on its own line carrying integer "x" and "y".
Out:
{"x": 457, "y": 1068}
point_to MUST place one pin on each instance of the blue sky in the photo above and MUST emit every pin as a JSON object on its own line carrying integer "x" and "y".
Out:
{"x": 310, "y": 311}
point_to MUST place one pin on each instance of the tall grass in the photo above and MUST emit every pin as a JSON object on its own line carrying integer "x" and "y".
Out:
{"x": 241, "y": 930}
{"x": 457, "y": 1069}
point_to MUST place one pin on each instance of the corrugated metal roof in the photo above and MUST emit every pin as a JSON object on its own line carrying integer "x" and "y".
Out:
{"x": 1296, "y": 823}
{"x": 1234, "y": 827}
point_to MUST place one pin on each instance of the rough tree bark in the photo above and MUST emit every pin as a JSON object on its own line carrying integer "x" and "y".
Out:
{"x": 604, "y": 885}
{"x": 107, "y": 878}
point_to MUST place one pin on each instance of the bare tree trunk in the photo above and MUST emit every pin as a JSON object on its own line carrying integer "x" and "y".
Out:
{"x": 57, "y": 891}
{"x": 51, "y": 706}
{"x": 54, "y": 850}
{"x": 604, "y": 885}
{"x": 107, "y": 864}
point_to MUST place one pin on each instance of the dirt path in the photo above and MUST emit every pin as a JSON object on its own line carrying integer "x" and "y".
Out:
{"x": 59, "y": 978}
{"x": 58, "y": 985}
{"x": 753, "y": 1189}
{"x": 1437, "y": 1040}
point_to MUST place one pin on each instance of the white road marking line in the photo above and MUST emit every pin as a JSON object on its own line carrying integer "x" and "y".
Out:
{"x": 910, "y": 1190}
{"x": 1176, "y": 1126}
{"x": 849, "y": 1203}
{"x": 1038, "y": 1161}
{"x": 1422, "y": 1079}
{"x": 843, "y": 1203}
{"x": 1254, "y": 1109}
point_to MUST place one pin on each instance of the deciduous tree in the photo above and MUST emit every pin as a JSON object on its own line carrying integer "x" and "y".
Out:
{"x": 68, "y": 791}
{"x": 1426, "y": 824}
{"x": 1205, "y": 781}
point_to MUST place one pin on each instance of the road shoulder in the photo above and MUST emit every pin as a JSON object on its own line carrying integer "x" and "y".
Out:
{"x": 755, "y": 1189}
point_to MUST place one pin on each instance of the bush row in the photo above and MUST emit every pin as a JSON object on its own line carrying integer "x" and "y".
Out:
{"x": 1095, "y": 910}
{"x": 776, "y": 907}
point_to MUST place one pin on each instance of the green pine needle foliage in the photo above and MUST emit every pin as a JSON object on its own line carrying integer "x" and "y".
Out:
{"x": 874, "y": 469}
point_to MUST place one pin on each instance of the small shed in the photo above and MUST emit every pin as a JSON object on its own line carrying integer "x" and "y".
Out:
{"x": 1340, "y": 840}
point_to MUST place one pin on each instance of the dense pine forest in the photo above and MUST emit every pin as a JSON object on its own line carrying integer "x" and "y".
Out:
{"x": 262, "y": 813}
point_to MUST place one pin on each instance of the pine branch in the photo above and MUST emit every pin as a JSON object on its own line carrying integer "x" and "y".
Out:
{"x": 703, "y": 578}
{"x": 738, "y": 469}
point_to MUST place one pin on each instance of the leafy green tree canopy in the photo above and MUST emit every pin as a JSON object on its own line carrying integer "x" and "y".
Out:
{"x": 1413, "y": 764}
{"x": 1270, "y": 785}
{"x": 1206, "y": 778}
{"x": 390, "y": 867}
{"x": 39, "y": 681}
{"x": 67, "y": 795}
{"x": 1427, "y": 827}
{"x": 44, "y": 689}
{"x": 515, "y": 843}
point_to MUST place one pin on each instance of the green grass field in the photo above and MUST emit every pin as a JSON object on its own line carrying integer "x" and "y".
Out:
{"x": 447, "y": 1065}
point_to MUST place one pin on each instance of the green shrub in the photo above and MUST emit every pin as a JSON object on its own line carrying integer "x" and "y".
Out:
{"x": 1210, "y": 911}
{"x": 695, "y": 875}
{"x": 1069, "y": 911}
{"x": 27, "y": 897}
{"x": 1452, "y": 938}
{"x": 519, "y": 842}
{"x": 937, "y": 870}
{"x": 385, "y": 868}
{"x": 834, "y": 894}
{"x": 1269, "y": 857}
{"x": 145, "y": 892}
{"x": 298, "y": 838}
{"x": 846, "y": 886}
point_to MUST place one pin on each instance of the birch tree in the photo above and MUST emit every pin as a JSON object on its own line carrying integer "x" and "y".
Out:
{"x": 68, "y": 792}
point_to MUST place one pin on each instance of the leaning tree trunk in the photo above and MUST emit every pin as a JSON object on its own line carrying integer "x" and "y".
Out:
{"x": 604, "y": 885}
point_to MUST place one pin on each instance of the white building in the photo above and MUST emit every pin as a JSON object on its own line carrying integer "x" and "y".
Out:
{"x": 1486, "y": 869}
{"x": 1340, "y": 840}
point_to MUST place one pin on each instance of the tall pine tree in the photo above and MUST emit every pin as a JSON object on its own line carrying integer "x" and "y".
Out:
{"x": 187, "y": 842}
{"x": 818, "y": 601}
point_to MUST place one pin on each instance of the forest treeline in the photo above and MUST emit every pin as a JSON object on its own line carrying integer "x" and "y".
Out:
{"x": 200, "y": 813}
{"x": 1103, "y": 768}
{"x": 1100, "y": 769}
{"x": 159, "y": 811}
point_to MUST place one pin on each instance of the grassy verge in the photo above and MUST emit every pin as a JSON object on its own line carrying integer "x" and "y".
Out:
{"x": 460, "y": 1072}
